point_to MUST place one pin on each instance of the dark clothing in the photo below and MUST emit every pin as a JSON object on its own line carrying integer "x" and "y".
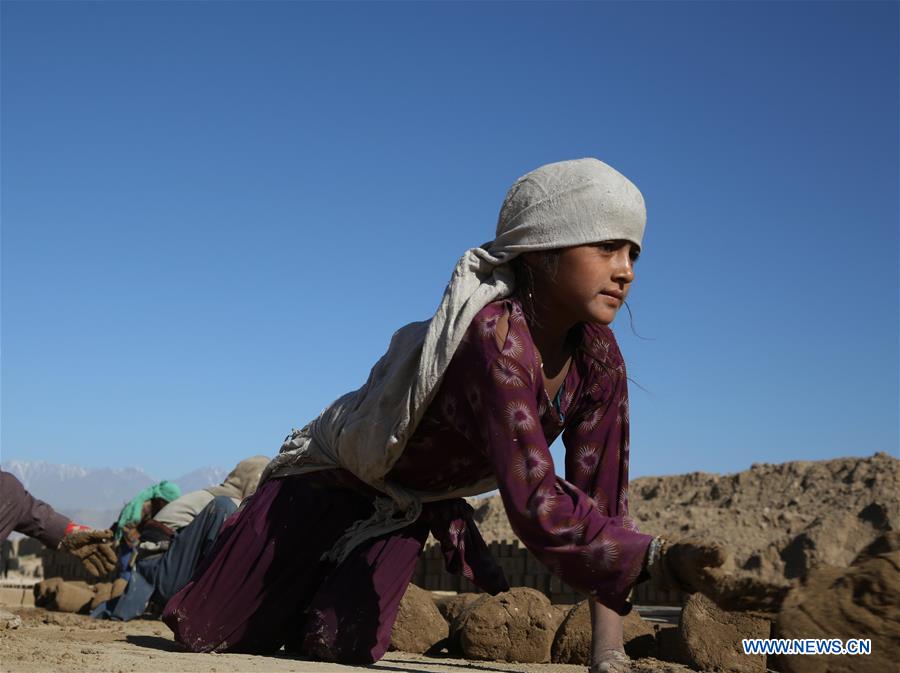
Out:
{"x": 22, "y": 512}
{"x": 492, "y": 416}
{"x": 161, "y": 576}
{"x": 264, "y": 584}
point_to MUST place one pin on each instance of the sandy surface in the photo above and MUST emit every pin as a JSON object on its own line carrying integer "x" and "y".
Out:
{"x": 780, "y": 520}
{"x": 53, "y": 641}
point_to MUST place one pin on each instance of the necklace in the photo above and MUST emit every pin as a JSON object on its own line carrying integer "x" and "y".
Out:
{"x": 541, "y": 361}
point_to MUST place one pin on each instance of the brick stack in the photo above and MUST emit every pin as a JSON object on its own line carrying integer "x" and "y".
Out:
{"x": 522, "y": 569}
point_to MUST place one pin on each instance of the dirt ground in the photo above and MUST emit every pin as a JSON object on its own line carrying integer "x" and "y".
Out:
{"x": 54, "y": 641}
{"x": 780, "y": 520}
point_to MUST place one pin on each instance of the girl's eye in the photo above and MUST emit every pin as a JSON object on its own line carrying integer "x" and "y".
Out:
{"x": 612, "y": 246}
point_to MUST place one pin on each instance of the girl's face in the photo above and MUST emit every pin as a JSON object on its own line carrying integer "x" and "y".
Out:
{"x": 591, "y": 281}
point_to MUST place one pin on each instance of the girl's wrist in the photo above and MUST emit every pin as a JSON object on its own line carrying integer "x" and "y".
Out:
{"x": 654, "y": 551}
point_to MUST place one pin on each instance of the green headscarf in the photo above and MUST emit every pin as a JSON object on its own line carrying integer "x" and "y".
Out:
{"x": 131, "y": 513}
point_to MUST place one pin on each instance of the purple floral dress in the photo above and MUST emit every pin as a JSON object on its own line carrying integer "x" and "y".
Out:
{"x": 492, "y": 416}
{"x": 264, "y": 586}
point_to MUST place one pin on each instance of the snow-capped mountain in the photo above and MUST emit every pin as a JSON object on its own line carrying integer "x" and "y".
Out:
{"x": 205, "y": 476}
{"x": 95, "y": 496}
{"x": 32, "y": 472}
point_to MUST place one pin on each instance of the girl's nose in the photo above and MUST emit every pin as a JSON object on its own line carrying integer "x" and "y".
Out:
{"x": 624, "y": 270}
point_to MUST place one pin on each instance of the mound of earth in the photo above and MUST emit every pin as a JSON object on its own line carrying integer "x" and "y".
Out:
{"x": 856, "y": 602}
{"x": 517, "y": 625}
{"x": 56, "y": 594}
{"x": 778, "y": 520}
{"x": 572, "y": 644}
{"x": 711, "y": 638}
{"x": 452, "y": 607}
{"x": 419, "y": 625}
{"x": 104, "y": 591}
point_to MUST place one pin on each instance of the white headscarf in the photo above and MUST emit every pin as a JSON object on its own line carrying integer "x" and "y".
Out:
{"x": 558, "y": 205}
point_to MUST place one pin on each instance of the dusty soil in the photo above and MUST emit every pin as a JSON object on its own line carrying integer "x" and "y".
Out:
{"x": 844, "y": 602}
{"x": 53, "y": 641}
{"x": 778, "y": 520}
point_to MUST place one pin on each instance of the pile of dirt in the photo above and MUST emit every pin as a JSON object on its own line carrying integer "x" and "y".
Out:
{"x": 60, "y": 596}
{"x": 452, "y": 607}
{"x": 419, "y": 625}
{"x": 75, "y": 596}
{"x": 778, "y": 520}
{"x": 711, "y": 638}
{"x": 856, "y": 602}
{"x": 518, "y": 625}
{"x": 572, "y": 644}
{"x": 104, "y": 591}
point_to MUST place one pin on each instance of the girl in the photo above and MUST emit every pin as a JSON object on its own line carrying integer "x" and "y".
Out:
{"x": 518, "y": 352}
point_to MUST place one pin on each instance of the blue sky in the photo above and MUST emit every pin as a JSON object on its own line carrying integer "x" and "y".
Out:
{"x": 214, "y": 215}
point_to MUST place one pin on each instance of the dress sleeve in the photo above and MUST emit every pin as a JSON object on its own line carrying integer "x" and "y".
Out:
{"x": 22, "y": 512}
{"x": 597, "y": 437}
{"x": 554, "y": 518}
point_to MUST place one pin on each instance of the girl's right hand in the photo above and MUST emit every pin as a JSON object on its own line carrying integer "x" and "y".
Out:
{"x": 693, "y": 565}
{"x": 690, "y": 564}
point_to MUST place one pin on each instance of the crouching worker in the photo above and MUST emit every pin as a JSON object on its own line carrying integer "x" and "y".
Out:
{"x": 177, "y": 538}
{"x": 22, "y": 512}
{"x": 518, "y": 353}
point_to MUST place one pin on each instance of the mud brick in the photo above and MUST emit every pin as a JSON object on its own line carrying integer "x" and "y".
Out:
{"x": 514, "y": 566}
{"x": 533, "y": 565}
{"x": 17, "y": 596}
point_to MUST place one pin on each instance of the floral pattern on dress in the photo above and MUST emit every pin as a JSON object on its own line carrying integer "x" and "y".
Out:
{"x": 577, "y": 524}
{"x": 509, "y": 374}
{"x": 530, "y": 465}
{"x": 602, "y": 554}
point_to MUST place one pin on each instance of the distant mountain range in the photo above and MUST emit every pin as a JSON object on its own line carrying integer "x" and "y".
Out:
{"x": 94, "y": 497}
